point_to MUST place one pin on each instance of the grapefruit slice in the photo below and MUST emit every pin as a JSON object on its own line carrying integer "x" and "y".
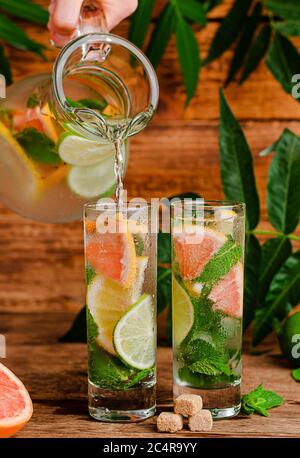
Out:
{"x": 113, "y": 254}
{"x": 107, "y": 301}
{"x": 227, "y": 294}
{"x": 194, "y": 248}
{"x": 15, "y": 403}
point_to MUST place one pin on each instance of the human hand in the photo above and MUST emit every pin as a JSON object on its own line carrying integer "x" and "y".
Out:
{"x": 64, "y": 16}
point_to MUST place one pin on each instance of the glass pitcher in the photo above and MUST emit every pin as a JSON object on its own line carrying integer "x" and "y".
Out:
{"x": 59, "y": 133}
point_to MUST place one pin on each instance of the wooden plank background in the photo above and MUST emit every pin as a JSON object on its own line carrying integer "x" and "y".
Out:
{"x": 41, "y": 265}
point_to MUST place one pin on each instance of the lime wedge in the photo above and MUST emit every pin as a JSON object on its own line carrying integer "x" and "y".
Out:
{"x": 92, "y": 180}
{"x": 75, "y": 150}
{"x": 108, "y": 300}
{"x": 135, "y": 335}
{"x": 182, "y": 313}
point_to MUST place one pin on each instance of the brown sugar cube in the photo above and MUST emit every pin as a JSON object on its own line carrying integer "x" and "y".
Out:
{"x": 169, "y": 422}
{"x": 201, "y": 421}
{"x": 188, "y": 404}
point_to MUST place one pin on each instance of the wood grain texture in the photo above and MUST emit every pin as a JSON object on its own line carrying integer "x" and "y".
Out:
{"x": 55, "y": 375}
{"x": 41, "y": 266}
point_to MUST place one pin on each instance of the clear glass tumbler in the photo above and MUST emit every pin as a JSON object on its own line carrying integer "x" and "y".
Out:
{"x": 120, "y": 254}
{"x": 207, "y": 292}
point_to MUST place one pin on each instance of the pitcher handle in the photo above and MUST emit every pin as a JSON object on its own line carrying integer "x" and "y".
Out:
{"x": 92, "y": 18}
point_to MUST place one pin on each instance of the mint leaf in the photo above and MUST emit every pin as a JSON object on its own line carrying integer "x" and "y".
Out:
{"x": 92, "y": 328}
{"x": 210, "y": 367}
{"x": 89, "y": 274}
{"x": 260, "y": 401}
{"x": 296, "y": 374}
{"x": 38, "y": 146}
{"x": 93, "y": 104}
{"x": 220, "y": 264}
{"x": 33, "y": 101}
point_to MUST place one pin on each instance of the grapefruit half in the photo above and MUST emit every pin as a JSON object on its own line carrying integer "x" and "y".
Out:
{"x": 113, "y": 255}
{"x": 227, "y": 294}
{"x": 15, "y": 403}
{"x": 194, "y": 248}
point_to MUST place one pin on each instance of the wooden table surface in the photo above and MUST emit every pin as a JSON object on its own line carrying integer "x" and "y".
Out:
{"x": 55, "y": 375}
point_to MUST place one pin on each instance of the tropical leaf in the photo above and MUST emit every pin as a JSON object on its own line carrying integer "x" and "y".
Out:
{"x": 283, "y": 191}
{"x": 283, "y": 61}
{"x": 290, "y": 28}
{"x": 189, "y": 57}
{"x": 16, "y": 37}
{"x": 140, "y": 22}
{"x": 257, "y": 52}
{"x": 229, "y": 29}
{"x": 192, "y": 10}
{"x": 252, "y": 261}
{"x": 161, "y": 35}
{"x": 25, "y": 10}
{"x": 288, "y": 9}
{"x": 236, "y": 164}
{"x": 77, "y": 332}
{"x": 273, "y": 255}
{"x": 244, "y": 42}
{"x": 284, "y": 289}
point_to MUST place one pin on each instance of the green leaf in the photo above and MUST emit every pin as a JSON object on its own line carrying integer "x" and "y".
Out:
{"x": 244, "y": 42}
{"x": 90, "y": 273}
{"x": 236, "y": 164}
{"x": 38, "y": 146}
{"x": 270, "y": 149}
{"x": 220, "y": 264}
{"x": 274, "y": 253}
{"x": 77, "y": 331}
{"x": 257, "y": 52}
{"x": 252, "y": 261}
{"x": 229, "y": 29}
{"x": 164, "y": 248}
{"x": 284, "y": 288}
{"x": 192, "y": 10}
{"x": 296, "y": 374}
{"x": 140, "y": 21}
{"x": 283, "y": 61}
{"x": 210, "y": 367}
{"x": 4, "y": 66}
{"x": 161, "y": 34}
{"x": 33, "y": 101}
{"x": 260, "y": 401}
{"x": 290, "y": 28}
{"x": 92, "y": 328}
{"x": 189, "y": 57}
{"x": 13, "y": 35}
{"x": 288, "y": 9}
{"x": 25, "y": 10}
{"x": 164, "y": 288}
{"x": 283, "y": 190}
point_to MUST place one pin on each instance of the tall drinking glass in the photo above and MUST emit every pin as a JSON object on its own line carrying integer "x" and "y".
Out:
{"x": 207, "y": 291}
{"x": 120, "y": 255}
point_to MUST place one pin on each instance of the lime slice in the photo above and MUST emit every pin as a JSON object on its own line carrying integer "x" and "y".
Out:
{"x": 75, "y": 150}
{"x": 108, "y": 300}
{"x": 92, "y": 180}
{"x": 135, "y": 335}
{"x": 183, "y": 312}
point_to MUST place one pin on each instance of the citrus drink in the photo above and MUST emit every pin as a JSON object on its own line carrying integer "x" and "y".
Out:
{"x": 120, "y": 255}
{"x": 207, "y": 299}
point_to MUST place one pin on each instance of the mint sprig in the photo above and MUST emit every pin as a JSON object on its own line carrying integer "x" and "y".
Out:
{"x": 260, "y": 401}
{"x": 220, "y": 264}
{"x": 38, "y": 146}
